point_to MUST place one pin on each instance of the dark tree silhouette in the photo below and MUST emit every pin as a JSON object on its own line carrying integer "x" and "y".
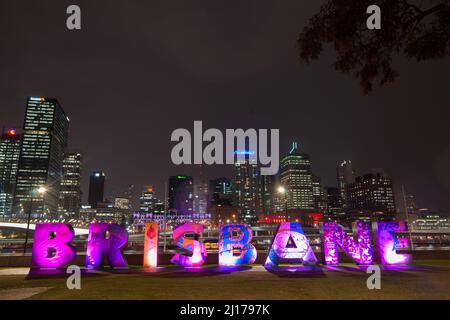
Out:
{"x": 415, "y": 29}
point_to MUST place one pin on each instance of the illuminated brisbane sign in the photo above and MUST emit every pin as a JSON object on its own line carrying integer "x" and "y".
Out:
{"x": 52, "y": 248}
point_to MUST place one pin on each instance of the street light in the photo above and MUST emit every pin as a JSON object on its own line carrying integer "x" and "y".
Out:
{"x": 283, "y": 191}
{"x": 41, "y": 191}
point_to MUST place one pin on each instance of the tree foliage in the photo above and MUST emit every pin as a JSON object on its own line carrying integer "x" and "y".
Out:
{"x": 415, "y": 29}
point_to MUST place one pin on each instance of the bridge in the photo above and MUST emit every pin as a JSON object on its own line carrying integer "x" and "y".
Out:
{"x": 23, "y": 227}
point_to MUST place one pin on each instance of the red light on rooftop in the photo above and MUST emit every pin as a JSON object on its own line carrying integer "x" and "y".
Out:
{"x": 12, "y": 132}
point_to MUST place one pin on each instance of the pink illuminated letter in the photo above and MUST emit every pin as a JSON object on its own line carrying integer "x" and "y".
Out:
{"x": 298, "y": 250}
{"x": 334, "y": 236}
{"x": 196, "y": 247}
{"x": 51, "y": 248}
{"x": 106, "y": 239}
{"x": 236, "y": 236}
{"x": 388, "y": 242}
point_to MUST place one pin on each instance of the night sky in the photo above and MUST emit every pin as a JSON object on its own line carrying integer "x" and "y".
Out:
{"x": 140, "y": 69}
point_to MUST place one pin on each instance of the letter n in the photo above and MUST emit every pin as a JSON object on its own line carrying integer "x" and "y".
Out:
{"x": 334, "y": 235}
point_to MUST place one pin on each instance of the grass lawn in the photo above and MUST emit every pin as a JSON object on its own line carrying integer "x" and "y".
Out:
{"x": 425, "y": 280}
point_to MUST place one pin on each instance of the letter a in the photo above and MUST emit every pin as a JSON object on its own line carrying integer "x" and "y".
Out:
{"x": 73, "y": 21}
{"x": 300, "y": 251}
{"x": 374, "y": 21}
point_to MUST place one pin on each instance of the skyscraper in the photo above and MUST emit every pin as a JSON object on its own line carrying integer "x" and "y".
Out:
{"x": 148, "y": 200}
{"x": 96, "y": 188}
{"x": 221, "y": 190}
{"x": 41, "y": 156}
{"x": 266, "y": 187}
{"x": 70, "y": 193}
{"x": 9, "y": 159}
{"x": 345, "y": 176}
{"x": 296, "y": 178}
{"x": 334, "y": 201}
{"x": 372, "y": 193}
{"x": 320, "y": 198}
{"x": 201, "y": 195}
{"x": 181, "y": 194}
{"x": 246, "y": 189}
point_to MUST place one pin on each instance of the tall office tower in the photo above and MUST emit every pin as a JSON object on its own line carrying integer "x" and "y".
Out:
{"x": 96, "y": 188}
{"x": 372, "y": 193}
{"x": 181, "y": 195}
{"x": 266, "y": 188}
{"x": 70, "y": 192}
{"x": 296, "y": 178}
{"x": 334, "y": 201}
{"x": 9, "y": 160}
{"x": 221, "y": 191}
{"x": 345, "y": 176}
{"x": 201, "y": 195}
{"x": 320, "y": 203}
{"x": 41, "y": 156}
{"x": 148, "y": 200}
{"x": 246, "y": 189}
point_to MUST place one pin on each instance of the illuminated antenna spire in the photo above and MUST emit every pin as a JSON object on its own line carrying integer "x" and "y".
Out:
{"x": 294, "y": 147}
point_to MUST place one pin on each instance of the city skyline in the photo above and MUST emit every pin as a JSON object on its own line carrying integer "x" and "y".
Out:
{"x": 344, "y": 169}
{"x": 240, "y": 72}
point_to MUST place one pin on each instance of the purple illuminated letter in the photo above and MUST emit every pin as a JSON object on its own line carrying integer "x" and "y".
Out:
{"x": 196, "y": 247}
{"x": 106, "y": 239}
{"x": 298, "y": 249}
{"x": 51, "y": 248}
{"x": 241, "y": 241}
{"x": 334, "y": 236}
{"x": 388, "y": 242}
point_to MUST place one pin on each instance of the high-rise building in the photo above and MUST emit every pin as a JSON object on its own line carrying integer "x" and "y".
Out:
{"x": 181, "y": 195}
{"x": 266, "y": 188}
{"x": 345, "y": 176}
{"x": 296, "y": 178}
{"x": 41, "y": 156}
{"x": 201, "y": 195}
{"x": 96, "y": 188}
{"x": 334, "y": 201}
{"x": 148, "y": 200}
{"x": 246, "y": 189}
{"x": 9, "y": 159}
{"x": 320, "y": 202}
{"x": 221, "y": 191}
{"x": 70, "y": 193}
{"x": 372, "y": 193}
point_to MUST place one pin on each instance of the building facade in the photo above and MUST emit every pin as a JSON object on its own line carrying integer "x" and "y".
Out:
{"x": 345, "y": 176}
{"x": 245, "y": 189}
{"x": 9, "y": 160}
{"x": 70, "y": 193}
{"x": 181, "y": 195}
{"x": 96, "y": 188}
{"x": 41, "y": 157}
{"x": 372, "y": 193}
{"x": 296, "y": 179}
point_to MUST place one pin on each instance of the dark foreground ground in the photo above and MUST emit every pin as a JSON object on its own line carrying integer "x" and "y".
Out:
{"x": 424, "y": 280}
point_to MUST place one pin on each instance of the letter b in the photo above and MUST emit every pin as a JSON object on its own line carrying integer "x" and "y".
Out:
{"x": 51, "y": 247}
